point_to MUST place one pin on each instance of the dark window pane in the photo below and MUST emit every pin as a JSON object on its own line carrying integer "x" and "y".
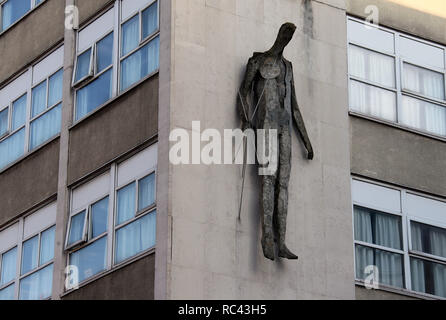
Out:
{"x": 428, "y": 239}
{"x": 99, "y": 216}
{"x": 83, "y": 65}
{"x": 150, "y": 20}
{"x": 146, "y": 196}
{"x": 4, "y": 121}
{"x": 76, "y": 231}
{"x": 105, "y": 52}
{"x": 29, "y": 255}
{"x": 428, "y": 277}
{"x": 13, "y": 10}
{"x": 91, "y": 259}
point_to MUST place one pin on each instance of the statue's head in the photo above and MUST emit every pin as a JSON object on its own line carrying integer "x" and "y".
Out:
{"x": 285, "y": 35}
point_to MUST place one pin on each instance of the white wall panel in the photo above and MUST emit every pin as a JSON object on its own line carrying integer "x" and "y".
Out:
{"x": 9, "y": 238}
{"x": 96, "y": 30}
{"x": 130, "y": 7}
{"x": 371, "y": 37}
{"x": 40, "y": 220}
{"x": 137, "y": 165}
{"x": 48, "y": 66}
{"x": 376, "y": 196}
{"x": 15, "y": 89}
{"x": 90, "y": 192}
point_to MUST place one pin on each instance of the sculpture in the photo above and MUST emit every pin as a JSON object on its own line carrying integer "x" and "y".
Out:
{"x": 269, "y": 80}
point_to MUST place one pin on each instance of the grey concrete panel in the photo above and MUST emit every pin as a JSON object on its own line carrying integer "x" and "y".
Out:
{"x": 30, "y": 37}
{"x": 29, "y": 182}
{"x": 120, "y": 126}
{"x": 88, "y": 8}
{"x": 133, "y": 282}
{"x": 365, "y": 294}
{"x": 397, "y": 156}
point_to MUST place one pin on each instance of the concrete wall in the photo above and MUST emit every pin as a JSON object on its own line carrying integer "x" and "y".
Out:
{"x": 22, "y": 186}
{"x": 132, "y": 282}
{"x": 121, "y": 125}
{"x": 88, "y": 8}
{"x": 214, "y": 256}
{"x": 362, "y": 293}
{"x": 36, "y": 33}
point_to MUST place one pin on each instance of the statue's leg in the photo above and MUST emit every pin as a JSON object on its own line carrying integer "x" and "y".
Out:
{"x": 267, "y": 204}
{"x": 282, "y": 197}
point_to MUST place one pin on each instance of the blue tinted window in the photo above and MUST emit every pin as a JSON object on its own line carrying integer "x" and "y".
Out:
{"x": 13, "y": 10}
{"x": 39, "y": 99}
{"x": 19, "y": 112}
{"x": 150, "y": 20}
{"x": 9, "y": 263}
{"x": 55, "y": 88}
{"x": 29, "y": 255}
{"x": 47, "y": 246}
{"x": 45, "y": 127}
{"x": 105, "y": 52}
{"x": 91, "y": 259}
{"x": 12, "y": 148}
{"x": 4, "y": 121}
{"x": 38, "y": 285}
{"x": 99, "y": 215}
{"x": 126, "y": 203}
{"x": 146, "y": 192}
{"x": 130, "y": 35}
{"x": 76, "y": 231}
{"x": 83, "y": 65}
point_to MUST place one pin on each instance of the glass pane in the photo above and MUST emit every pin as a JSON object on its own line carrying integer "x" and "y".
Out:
{"x": 12, "y": 148}
{"x": 47, "y": 246}
{"x": 135, "y": 237}
{"x": 423, "y": 81}
{"x": 30, "y": 251}
{"x": 146, "y": 196}
{"x": 150, "y": 20}
{"x": 130, "y": 35}
{"x": 76, "y": 228}
{"x": 90, "y": 260}
{"x": 46, "y": 127}
{"x": 373, "y": 101}
{"x": 13, "y": 10}
{"x": 19, "y": 112}
{"x": 99, "y": 216}
{"x": 428, "y": 277}
{"x": 7, "y": 293}
{"x": 83, "y": 65}
{"x": 126, "y": 203}
{"x": 372, "y": 66}
{"x": 37, "y": 286}
{"x": 428, "y": 239}
{"x": 9, "y": 266}
{"x": 378, "y": 228}
{"x": 140, "y": 64}
{"x": 105, "y": 52}
{"x": 95, "y": 94}
{"x": 55, "y": 88}
{"x": 38, "y": 99}
{"x": 423, "y": 115}
{"x": 389, "y": 265}
{"x": 4, "y": 121}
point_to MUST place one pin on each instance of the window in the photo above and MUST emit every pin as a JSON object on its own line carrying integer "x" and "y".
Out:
{"x": 30, "y": 112}
{"x": 113, "y": 216}
{"x": 26, "y": 267}
{"x": 403, "y": 235}
{"x": 13, "y": 10}
{"x": 397, "y": 78}
{"x": 103, "y": 65}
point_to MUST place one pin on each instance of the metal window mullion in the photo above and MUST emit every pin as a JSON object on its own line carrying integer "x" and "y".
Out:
{"x": 379, "y": 247}
{"x": 38, "y": 249}
{"x": 19, "y": 258}
{"x": 406, "y": 241}
{"x": 398, "y": 77}
{"x": 111, "y": 217}
{"x": 116, "y": 49}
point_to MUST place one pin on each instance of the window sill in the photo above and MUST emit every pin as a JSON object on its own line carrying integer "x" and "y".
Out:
{"x": 26, "y": 155}
{"x": 2, "y": 32}
{"x": 400, "y": 291}
{"x": 110, "y": 271}
{"x": 397, "y": 126}
{"x": 112, "y": 100}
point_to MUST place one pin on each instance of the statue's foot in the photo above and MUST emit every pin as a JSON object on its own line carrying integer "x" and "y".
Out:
{"x": 268, "y": 247}
{"x": 284, "y": 252}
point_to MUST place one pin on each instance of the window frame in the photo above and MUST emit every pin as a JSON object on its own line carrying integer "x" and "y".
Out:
{"x": 110, "y": 234}
{"x": 399, "y": 89}
{"x": 33, "y": 5}
{"x": 407, "y": 252}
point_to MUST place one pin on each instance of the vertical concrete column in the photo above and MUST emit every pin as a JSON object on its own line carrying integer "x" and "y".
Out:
{"x": 163, "y": 227}
{"x": 62, "y": 191}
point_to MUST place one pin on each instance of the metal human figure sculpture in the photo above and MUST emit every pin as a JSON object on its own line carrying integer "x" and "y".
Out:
{"x": 269, "y": 82}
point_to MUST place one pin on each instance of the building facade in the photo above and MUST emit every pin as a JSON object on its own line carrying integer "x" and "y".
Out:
{"x": 92, "y": 207}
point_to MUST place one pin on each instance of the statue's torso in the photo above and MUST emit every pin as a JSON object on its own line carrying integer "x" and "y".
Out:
{"x": 273, "y": 88}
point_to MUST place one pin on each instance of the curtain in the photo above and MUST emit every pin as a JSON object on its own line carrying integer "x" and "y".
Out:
{"x": 439, "y": 272}
{"x": 126, "y": 203}
{"x": 38, "y": 99}
{"x": 363, "y": 258}
{"x": 13, "y": 10}
{"x": 135, "y": 237}
{"x": 423, "y": 81}
{"x": 37, "y": 286}
{"x": 7, "y": 293}
{"x": 47, "y": 246}
{"x": 372, "y": 66}
{"x": 146, "y": 190}
{"x": 150, "y": 20}
{"x": 76, "y": 228}
{"x": 12, "y": 148}
{"x": 95, "y": 94}
{"x": 19, "y": 112}
{"x": 417, "y": 275}
{"x": 373, "y": 101}
{"x": 99, "y": 216}
{"x": 130, "y": 35}
{"x": 437, "y": 240}
{"x": 29, "y": 255}
{"x": 90, "y": 260}
{"x": 55, "y": 88}
{"x": 46, "y": 126}
{"x": 9, "y": 262}
{"x": 423, "y": 115}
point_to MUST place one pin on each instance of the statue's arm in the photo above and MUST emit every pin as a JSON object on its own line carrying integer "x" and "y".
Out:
{"x": 242, "y": 101}
{"x": 299, "y": 121}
